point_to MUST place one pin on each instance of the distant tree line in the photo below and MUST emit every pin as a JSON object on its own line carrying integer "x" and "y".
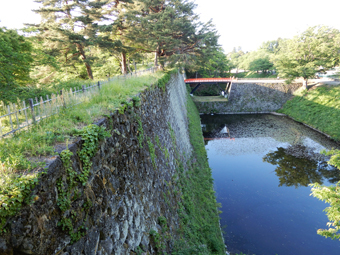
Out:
{"x": 315, "y": 50}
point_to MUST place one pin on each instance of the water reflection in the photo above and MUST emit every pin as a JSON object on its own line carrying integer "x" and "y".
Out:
{"x": 295, "y": 171}
{"x": 261, "y": 178}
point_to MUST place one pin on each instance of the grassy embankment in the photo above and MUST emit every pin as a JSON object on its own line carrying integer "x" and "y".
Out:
{"x": 199, "y": 210}
{"x": 318, "y": 108}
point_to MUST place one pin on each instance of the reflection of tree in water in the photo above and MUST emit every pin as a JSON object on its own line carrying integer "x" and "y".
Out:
{"x": 294, "y": 171}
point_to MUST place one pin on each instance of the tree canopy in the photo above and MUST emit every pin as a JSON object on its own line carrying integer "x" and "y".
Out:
{"x": 15, "y": 58}
{"x": 314, "y": 50}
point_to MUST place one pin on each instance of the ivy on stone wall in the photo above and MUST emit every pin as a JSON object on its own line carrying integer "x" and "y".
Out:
{"x": 140, "y": 131}
{"x": 72, "y": 220}
{"x": 14, "y": 193}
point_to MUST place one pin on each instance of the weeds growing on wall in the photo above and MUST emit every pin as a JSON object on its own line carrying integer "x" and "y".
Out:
{"x": 166, "y": 77}
{"x": 90, "y": 136}
{"x": 14, "y": 193}
{"x": 140, "y": 131}
{"x": 152, "y": 152}
{"x": 68, "y": 190}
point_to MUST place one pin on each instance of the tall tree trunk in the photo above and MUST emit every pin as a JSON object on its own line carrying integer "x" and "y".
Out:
{"x": 83, "y": 56}
{"x": 123, "y": 63}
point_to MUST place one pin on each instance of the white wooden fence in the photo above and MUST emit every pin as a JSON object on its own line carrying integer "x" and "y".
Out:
{"x": 16, "y": 116}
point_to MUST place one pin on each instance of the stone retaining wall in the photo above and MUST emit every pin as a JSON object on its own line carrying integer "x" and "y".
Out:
{"x": 251, "y": 98}
{"x": 129, "y": 188}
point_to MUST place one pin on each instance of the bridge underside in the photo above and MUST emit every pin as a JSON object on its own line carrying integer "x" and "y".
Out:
{"x": 214, "y": 81}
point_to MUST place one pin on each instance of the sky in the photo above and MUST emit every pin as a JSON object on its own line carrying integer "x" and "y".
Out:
{"x": 240, "y": 23}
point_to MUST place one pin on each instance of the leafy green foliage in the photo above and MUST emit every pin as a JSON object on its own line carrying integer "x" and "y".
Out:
{"x": 14, "y": 193}
{"x": 235, "y": 58}
{"x": 262, "y": 64}
{"x": 259, "y": 60}
{"x": 90, "y": 136}
{"x": 330, "y": 195}
{"x": 68, "y": 192}
{"x": 15, "y": 58}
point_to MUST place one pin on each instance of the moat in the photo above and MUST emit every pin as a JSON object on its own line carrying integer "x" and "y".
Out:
{"x": 262, "y": 165}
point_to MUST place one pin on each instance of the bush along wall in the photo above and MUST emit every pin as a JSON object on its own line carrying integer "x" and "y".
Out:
{"x": 136, "y": 182}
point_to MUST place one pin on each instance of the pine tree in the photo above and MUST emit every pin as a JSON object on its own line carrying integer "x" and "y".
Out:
{"x": 169, "y": 29}
{"x": 123, "y": 46}
{"x": 73, "y": 26}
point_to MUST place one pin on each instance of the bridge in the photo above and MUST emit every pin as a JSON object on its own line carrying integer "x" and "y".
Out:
{"x": 199, "y": 81}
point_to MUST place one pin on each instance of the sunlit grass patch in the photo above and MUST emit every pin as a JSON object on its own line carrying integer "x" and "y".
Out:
{"x": 319, "y": 108}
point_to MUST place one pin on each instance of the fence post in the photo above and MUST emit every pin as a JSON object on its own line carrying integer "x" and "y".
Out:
{"x": 62, "y": 98}
{"x": 39, "y": 110}
{"x": 24, "y": 104}
{"x": 16, "y": 115}
{"x": 9, "y": 114}
{"x": 32, "y": 109}
{"x": 83, "y": 88}
{"x": 99, "y": 85}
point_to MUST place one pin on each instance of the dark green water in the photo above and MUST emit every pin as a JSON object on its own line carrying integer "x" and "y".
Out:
{"x": 263, "y": 189}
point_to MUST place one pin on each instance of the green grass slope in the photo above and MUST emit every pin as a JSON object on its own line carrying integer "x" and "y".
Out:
{"x": 319, "y": 108}
{"x": 201, "y": 233}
